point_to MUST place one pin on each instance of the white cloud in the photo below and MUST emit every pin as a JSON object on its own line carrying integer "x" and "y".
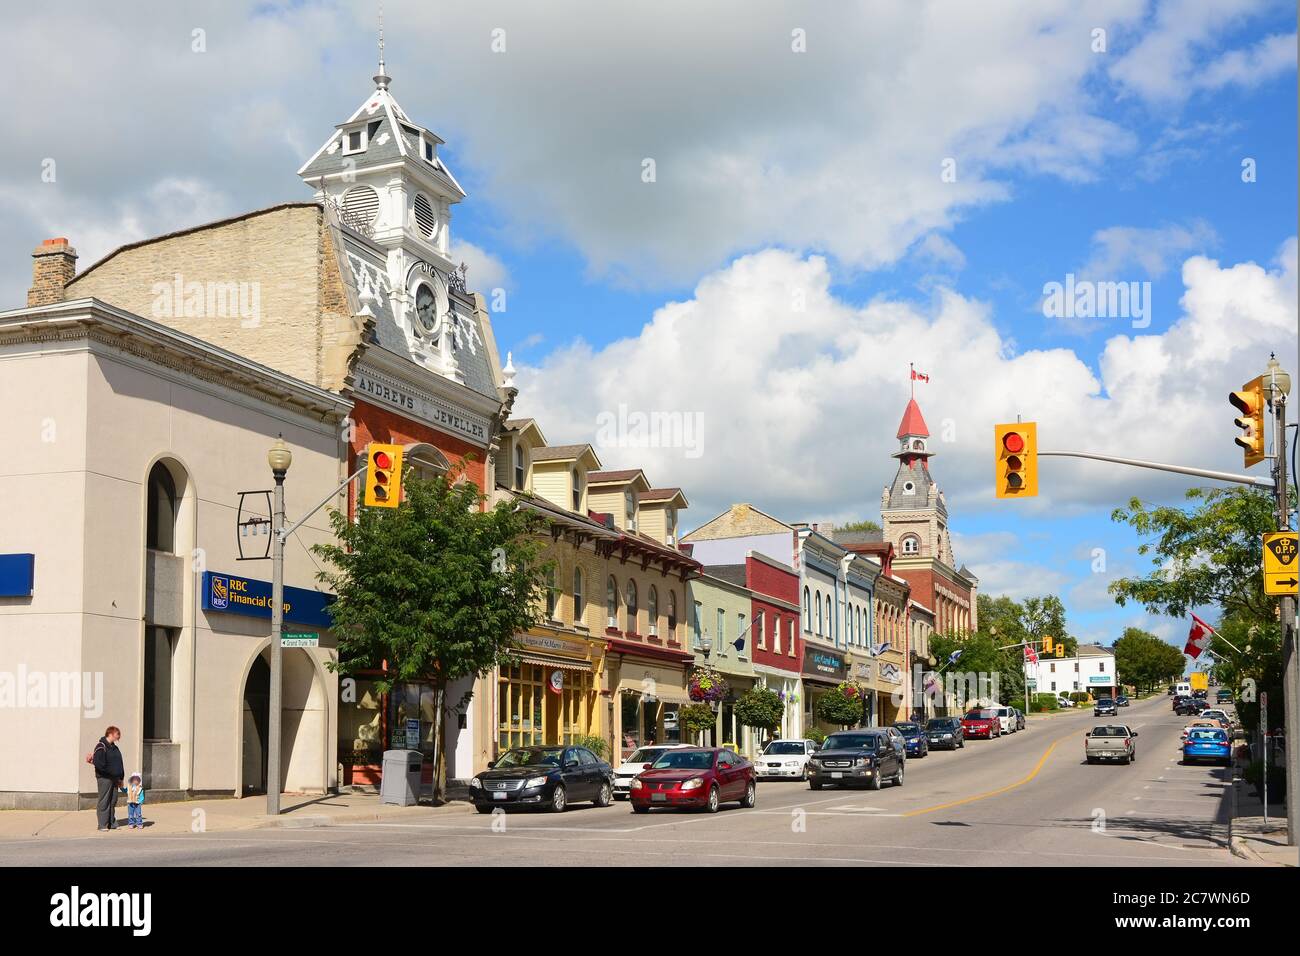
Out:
{"x": 1175, "y": 56}
{"x": 486, "y": 271}
{"x": 802, "y": 407}
{"x": 1117, "y": 249}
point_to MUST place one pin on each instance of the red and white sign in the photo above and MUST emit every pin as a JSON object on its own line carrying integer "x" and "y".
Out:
{"x": 556, "y": 683}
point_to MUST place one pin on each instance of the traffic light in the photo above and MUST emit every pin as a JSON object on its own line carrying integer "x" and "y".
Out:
{"x": 1047, "y": 644}
{"x": 1250, "y": 402}
{"x": 1016, "y": 460}
{"x": 383, "y": 475}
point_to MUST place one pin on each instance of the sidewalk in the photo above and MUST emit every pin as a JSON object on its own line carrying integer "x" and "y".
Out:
{"x": 199, "y": 816}
{"x": 1250, "y": 838}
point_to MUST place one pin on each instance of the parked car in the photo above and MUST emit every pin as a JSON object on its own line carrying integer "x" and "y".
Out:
{"x": 896, "y": 740}
{"x": 1224, "y": 696}
{"x": 1064, "y": 701}
{"x": 1006, "y": 719}
{"x": 1110, "y": 742}
{"x": 944, "y": 732}
{"x": 1105, "y": 707}
{"x": 784, "y": 759}
{"x": 1121, "y": 701}
{"x": 1212, "y": 724}
{"x": 697, "y": 777}
{"x": 1219, "y": 717}
{"x": 639, "y": 760}
{"x": 851, "y": 757}
{"x": 548, "y": 777}
{"x": 1020, "y": 718}
{"x": 915, "y": 742}
{"x": 981, "y": 723}
{"x": 1207, "y": 743}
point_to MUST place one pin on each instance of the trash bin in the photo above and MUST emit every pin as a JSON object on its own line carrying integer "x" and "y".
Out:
{"x": 400, "y": 783}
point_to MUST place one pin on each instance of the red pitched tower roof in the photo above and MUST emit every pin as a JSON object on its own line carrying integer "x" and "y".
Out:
{"x": 912, "y": 423}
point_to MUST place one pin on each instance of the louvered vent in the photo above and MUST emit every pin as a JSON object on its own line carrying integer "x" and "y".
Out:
{"x": 424, "y": 217}
{"x": 361, "y": 203}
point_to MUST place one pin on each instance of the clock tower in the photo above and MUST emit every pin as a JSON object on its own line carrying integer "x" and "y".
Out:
{"x": 380, "y": 173}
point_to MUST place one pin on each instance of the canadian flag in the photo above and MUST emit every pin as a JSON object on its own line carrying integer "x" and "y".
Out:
{"x": 1031, "y": 655}
{"x": 919, "y": 376}
{"x": 1198, "y": 638}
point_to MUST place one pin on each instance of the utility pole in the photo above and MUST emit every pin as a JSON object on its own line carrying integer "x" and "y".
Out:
{"x": 279, "y": 458}
{"x": 1286, "y": 605}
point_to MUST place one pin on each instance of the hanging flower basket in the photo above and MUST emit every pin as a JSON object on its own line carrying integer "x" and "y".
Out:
{"x": 707, "y": 685}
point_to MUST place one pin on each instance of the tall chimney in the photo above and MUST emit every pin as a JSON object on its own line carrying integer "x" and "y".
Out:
{"x": 54, "y": 264}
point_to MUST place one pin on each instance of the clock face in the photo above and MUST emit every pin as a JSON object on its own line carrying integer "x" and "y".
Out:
{"x": 426, "y": 308}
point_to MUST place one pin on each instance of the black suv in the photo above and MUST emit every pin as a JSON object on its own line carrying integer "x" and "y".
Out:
{"x": 1104, "y": 707}
{"x": 856, "y": 756}
{"x": 944, "y": 733}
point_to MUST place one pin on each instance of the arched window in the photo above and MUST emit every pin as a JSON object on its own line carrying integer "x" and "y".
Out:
{"x": 577, "y": 490}
{"x": 579, "y": 602}
{"x": 819, "y": 612}
{"x": 911, "y": 544}
{"x": 631, "y": 607}
{"x": 611, "y": 602}
{"x": 160, "y": 523}
{"x": 858, "y": 614}
{"x": 652, "y": 610}
{"x": 672, "y": 615}
{"x": 519, "y": 467}
{"x": 807, "y": 610}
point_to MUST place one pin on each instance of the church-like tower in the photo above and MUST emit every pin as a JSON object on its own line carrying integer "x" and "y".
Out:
{"x": 381, "y": 174}
{"x": 913, "y": 512}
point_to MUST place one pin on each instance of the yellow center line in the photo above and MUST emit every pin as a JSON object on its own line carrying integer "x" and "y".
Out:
{"x": 992, "y": 793}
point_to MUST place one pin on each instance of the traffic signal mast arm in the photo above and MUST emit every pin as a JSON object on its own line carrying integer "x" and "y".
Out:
{"x": 1176, "y": 469}
{"x": 285, "y": 533}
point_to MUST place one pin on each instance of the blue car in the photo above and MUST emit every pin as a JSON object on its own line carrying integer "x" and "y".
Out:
{"x": 1207, "y": 743}
{"x": 914, "y": 738}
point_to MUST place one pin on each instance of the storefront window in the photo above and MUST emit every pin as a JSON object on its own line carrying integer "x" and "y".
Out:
{"x": 413, "y": 701}
{"x": 530, "y": 712}
{"x": 630, "y": 704}
{"x": 360, "y": 726}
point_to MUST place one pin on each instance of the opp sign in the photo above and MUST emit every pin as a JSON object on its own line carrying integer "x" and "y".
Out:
{"x": 1281, "y": 570}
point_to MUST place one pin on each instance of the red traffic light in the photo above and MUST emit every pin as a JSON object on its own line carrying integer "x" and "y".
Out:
{"x": 382, "y": 460}
{"x": 1013, "y": 442}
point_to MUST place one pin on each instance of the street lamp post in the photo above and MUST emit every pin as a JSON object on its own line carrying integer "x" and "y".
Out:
{"x": 279, "y": 458}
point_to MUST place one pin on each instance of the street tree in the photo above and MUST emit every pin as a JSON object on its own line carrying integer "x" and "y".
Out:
{"x": 435, "y": 589}
{"x": 762, "y": 709}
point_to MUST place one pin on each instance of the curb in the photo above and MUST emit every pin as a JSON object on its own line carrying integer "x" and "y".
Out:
{"x": 312, "y": 821}
{"x": 1240, "y": 847}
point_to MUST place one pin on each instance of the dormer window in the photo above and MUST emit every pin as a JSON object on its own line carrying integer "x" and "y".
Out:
{"x": 577, "y": 490}
{"x": 519, "y": 468}
{"x": 355, "y": 140}
{"x": 428, "y": 152}
{"x": 629, "y": 509}
{"x": 672, "y": 525}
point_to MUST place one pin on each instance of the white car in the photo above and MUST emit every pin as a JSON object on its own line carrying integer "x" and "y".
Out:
{"x": 625, "y": 772}
{"x": 1066, "y": 702}
{"x": 1006, "y": 718}
{"x": 786, "y": 759}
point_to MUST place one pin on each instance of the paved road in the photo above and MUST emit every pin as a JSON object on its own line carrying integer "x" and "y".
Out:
{"x": 1024, "y": 799}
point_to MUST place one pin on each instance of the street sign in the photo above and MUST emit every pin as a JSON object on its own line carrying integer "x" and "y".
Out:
{"x": 1032, "y": 683}
{"x": 1281, "y": 570}
{"x": 300, "y": 640}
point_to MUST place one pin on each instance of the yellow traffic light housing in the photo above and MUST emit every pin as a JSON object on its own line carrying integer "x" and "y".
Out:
{"x": 383, "y": 476}
{"x": 1047, "y": 644}
{"x": 1015, "y": 466}
{"x": 1250, "y": 402}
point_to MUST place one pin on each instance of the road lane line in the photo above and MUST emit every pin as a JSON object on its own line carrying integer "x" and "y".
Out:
{"x": 992, "y": 793}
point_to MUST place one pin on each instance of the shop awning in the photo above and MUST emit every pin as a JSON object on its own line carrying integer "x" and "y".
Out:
{"x": 555, "y": 662}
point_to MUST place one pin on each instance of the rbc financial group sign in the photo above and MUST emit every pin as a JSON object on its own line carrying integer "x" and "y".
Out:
{"x": 233, "y": 594}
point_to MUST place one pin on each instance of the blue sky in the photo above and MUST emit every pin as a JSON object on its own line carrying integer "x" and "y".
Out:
{"x": 797, "y": 247}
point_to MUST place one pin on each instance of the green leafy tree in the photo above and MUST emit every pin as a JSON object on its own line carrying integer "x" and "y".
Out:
{"x": 760, "y": 708}
{"x": 1144, "y": 660}
{"x": 845, "y": 706}
{"x": 1209, "y": 554}
{"x": 697, "y": 718}
{"x": 864, "y": 525}
{"x": 434, "y": 589}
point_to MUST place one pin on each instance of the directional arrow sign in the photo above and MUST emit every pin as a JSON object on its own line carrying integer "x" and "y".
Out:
{"x": 1281, "y": 568}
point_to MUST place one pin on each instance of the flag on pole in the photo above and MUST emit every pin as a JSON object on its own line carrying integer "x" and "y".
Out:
{"x": 952, "y": 658}
{"x": 1031, "y": 655}
{"x": 1198, "y": 638}
{"x": 919, "y": 376}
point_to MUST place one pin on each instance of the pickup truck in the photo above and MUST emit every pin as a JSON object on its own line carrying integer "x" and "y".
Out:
{"x": 1110, "y": 742}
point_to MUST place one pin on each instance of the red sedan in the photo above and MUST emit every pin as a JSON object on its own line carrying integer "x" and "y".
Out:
{"x": 981, "y": 723}
{"x": 697, "y": 777}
